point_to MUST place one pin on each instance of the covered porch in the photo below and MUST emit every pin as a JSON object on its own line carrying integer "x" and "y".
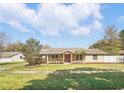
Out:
{"x": 66, "y": 57}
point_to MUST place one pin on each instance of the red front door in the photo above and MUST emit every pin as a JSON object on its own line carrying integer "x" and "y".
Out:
{"x": 67, "y": 58}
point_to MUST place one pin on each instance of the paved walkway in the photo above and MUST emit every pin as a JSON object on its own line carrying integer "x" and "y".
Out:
{"x": 61, "y": 72}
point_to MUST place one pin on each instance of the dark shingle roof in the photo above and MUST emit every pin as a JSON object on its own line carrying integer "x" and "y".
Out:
{"x": 73, "y": 50}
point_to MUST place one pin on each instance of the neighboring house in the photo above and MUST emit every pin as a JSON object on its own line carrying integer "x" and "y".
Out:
{"x": 11, "y": 57}
{"x": 71, "y": 55}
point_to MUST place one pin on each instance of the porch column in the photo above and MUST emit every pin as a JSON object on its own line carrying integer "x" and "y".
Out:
{"x": 63, "y": 58}
{"x": 47, "y": 58}
{"x": 71, "y": 57}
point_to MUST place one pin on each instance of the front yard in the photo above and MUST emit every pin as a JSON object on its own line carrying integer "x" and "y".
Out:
{"x": 62, "y": 76}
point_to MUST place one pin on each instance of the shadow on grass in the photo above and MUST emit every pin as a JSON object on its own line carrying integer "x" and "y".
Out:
{"x": 63, "y": 80}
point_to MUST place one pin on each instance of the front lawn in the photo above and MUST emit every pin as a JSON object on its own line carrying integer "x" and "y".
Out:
{"x": 9, "y": 65}
{"x": 62, "y": 76}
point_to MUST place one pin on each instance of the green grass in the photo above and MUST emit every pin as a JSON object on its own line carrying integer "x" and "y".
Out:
{"x": 61, "y": 78}
{"x": 2, "y": 65}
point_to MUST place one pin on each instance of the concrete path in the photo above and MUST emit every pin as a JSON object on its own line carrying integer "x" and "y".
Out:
{"x": 60, "y": 72}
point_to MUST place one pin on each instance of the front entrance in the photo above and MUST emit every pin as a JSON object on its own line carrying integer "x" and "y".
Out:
{"x": 67, "y": 58}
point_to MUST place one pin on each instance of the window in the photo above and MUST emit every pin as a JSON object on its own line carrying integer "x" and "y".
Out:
{"x": 95, "y": 57}
{"x": 78, "y": 57}
{"x": 56, "y": 56}
{"x": 52, "y": 56}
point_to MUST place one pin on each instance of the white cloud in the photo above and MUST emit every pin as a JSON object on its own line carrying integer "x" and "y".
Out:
{"x": 121, "y": 18}
{"x": 17, "y": 14}
{"x": 81, "y": 31}
{"x": 96, "y": 25}
{"x": 51, "y": 19}
{"x": 55, "y": 17}
{"x": 82, "y": 11}
{"x": 18, "y": 26}
{"x": 1, "y": 18}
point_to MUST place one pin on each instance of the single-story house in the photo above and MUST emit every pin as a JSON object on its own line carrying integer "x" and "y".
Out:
{"x": 74, "y": 55}
{"x": 11, "y": 57}
{"x": 71, "y": 55}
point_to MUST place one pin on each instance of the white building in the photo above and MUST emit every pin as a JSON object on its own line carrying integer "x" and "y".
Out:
{"x": 11, "y": 57}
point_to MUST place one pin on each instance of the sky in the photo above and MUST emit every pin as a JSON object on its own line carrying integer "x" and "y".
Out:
{"x": 60, "y": 25}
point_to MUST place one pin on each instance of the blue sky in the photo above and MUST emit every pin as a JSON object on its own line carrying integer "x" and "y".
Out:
{"x": 60, "y": 25}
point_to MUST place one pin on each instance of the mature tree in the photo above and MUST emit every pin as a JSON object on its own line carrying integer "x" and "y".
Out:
{"x": 101, "y": 44}
{"x": 82, "y": 53}
{"x": 16, "y": 46}
{"x": 3, "y": 40}
{"x": 31, "y": 50}
{"x": 121, "y": 35}
{"x": 13, "y": 47}
{"x": 110, "y": 43}
{"x": 46, "y": 46}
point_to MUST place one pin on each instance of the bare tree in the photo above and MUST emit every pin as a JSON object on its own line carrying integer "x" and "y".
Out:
{"x": 110, "y": 42}
{"x": 3, "y": 40}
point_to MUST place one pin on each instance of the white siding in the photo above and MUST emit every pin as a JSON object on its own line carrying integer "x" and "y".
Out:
{"x": 120, "y": 59}
{"x": 113, "y": 59}
{"x": 15, "y": 58}
{"x": 89, "y": 58}
{"x": 105, "y": 58}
